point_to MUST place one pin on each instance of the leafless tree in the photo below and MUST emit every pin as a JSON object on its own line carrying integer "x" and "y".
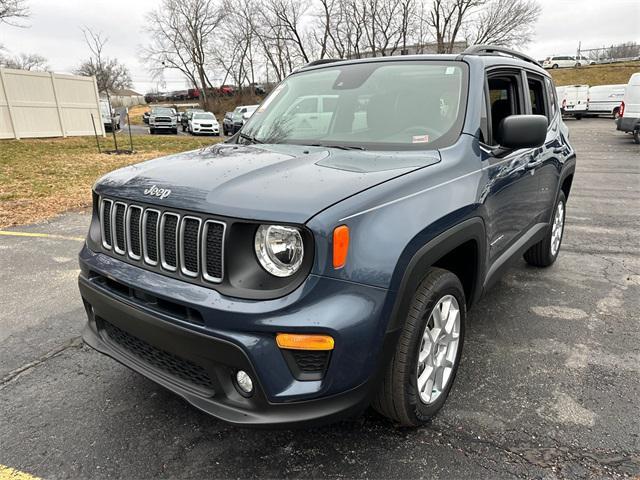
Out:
{"x": 182, "y": 38}
{"x": 13, "y": 12}
{"x": 506, "y": 22}
{"x": 25, "y": 61}
{"x": 111, "y": 75}
{"x": 624, "y": 50}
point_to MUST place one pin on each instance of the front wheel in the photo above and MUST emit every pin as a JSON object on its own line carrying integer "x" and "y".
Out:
{"x": 636, "y": 135}
{"x": 546, "y": 251}
{"x": 419, "y": 377}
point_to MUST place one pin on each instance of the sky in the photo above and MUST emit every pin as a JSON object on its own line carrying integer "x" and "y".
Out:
{"x": 55, "y": 31}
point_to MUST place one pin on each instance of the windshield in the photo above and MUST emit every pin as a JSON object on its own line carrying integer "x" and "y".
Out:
{"x": 203, "y": 116}
{"x": 162, "y": 111}
{"x": 385, "y": 105}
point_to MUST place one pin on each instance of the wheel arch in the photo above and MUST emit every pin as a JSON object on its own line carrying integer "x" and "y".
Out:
{"x": 460, "y": 249}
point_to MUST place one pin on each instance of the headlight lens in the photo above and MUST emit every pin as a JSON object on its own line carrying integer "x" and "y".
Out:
{"x": 279, "y": 249}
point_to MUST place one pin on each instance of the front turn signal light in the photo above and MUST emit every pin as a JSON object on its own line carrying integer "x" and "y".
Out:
{"x": 293, "y": 341}
{"x": 340, "y": 246}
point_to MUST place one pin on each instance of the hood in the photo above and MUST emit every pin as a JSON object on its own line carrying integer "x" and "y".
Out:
{"x": 286, "y": 183}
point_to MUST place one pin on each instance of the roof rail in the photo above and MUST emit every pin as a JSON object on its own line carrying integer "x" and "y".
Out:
{"x": 322, "y": 61}
{"x": 494, "y": 49}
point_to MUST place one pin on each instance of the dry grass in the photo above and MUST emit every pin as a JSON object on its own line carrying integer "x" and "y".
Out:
{"x": 41, "y": 178}
{"x": 609, "y": 74}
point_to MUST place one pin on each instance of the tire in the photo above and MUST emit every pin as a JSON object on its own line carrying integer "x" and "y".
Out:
{"x": 399, "y": 397}
{"x": 543, "y": 254}
{"x": 578, "y": 116}
{"x": 152, "y": 131}
{"x": 636, "y": 135}
{"x": 578, "y": 64}
{"x": 175, "y": 131}
{"x": 555, "y": 65}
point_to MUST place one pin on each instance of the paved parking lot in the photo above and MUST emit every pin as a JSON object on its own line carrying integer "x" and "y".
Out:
{"x": 548, "y": 387}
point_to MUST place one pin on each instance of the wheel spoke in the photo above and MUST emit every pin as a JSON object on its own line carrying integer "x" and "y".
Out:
{"x": 424, "y": 377}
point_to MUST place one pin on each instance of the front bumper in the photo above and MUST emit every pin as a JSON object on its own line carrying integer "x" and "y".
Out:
{"x": 213, "y": 130}
{"x": 163, "y": 126}
{"x": 198, "y": 362}
{"x": 627, "y": 124}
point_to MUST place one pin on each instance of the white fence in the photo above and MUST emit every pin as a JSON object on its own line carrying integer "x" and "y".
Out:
{"x": 42, "y": 104}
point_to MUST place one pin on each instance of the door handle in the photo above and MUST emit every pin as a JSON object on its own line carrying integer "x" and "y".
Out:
{"x": 533, "y": 164}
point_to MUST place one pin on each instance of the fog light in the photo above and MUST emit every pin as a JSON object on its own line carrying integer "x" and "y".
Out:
{"x": 245, "y": 384}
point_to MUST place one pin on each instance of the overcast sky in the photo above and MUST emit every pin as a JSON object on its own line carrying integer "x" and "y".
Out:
{"x": 55, "y": 31}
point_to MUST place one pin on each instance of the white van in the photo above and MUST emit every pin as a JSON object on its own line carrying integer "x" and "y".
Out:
{"x": 629, "y": 119}
{"x": 573, "y": 100}
{"x": 564, "y": 61}
{"x": 605, "y": 99}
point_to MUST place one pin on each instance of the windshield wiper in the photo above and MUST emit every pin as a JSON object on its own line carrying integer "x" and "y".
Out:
{"x": 249, "y": 138}
{"x": 340, "y": 147}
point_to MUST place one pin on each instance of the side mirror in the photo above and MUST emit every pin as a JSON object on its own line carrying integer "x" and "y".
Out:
{"x": 522, "y": 131}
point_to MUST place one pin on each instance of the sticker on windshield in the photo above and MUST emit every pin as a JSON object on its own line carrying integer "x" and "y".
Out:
{"x": 420, "y": 139}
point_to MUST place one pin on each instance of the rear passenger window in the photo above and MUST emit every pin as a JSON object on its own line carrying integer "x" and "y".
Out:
{"x": 552, "y": 100}
{"x": 537, "y": 97}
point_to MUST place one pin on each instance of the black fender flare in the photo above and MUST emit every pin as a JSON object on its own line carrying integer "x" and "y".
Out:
{"x": 470, "y": 229}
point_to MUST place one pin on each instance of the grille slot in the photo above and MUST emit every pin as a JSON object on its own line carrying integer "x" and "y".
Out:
{"x": 310, "y": 360}
{"x": 118, "y": 227}
{"x": 150, "y": 238}
{"x": 105, "y": 221}
{"x": 169, "y": 241}
{"x": 134, "y": 218}
{"x": 213, "y": 251}
{"x": 172, "y": 364}
{"x": 184, "y": 245}
{"x": 190, "y": 246}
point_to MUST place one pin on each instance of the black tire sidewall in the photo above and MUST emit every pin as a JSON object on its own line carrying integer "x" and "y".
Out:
{"x": 448, "y": 285}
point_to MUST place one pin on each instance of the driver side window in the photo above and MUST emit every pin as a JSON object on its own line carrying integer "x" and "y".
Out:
{"x": 504, "y": 100}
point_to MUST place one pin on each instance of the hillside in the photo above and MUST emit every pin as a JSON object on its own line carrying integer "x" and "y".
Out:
{"x": 595, "y": 74}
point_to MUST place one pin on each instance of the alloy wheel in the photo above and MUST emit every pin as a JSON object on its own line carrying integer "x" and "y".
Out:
{"x": 557, "y": 229}
{"x": 438, "y": 349}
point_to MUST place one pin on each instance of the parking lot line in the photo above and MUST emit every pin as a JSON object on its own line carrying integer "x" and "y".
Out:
{"x": 40, "y": 235}
{"x": 8, "y": 473}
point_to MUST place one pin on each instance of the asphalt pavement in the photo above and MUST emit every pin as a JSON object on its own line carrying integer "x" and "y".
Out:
{"x": 548, "y": 386}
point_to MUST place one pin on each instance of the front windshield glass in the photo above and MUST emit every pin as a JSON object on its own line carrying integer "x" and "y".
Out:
{"x": 203, "y": 116}
{"x": 163, "y": 111}
{"x": 392, "y": 104}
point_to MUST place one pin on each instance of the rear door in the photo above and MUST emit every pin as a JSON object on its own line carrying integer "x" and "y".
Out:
{"x": 511, "y": 194}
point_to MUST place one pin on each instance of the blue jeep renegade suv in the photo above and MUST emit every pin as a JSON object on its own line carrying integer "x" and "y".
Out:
{"x": 324, "y": 258}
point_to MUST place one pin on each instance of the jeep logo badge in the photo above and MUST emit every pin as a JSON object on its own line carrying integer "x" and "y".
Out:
{"x": 157, "y": 192}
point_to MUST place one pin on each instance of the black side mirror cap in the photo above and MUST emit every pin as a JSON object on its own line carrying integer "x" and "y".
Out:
{"x": 522, "y": 131}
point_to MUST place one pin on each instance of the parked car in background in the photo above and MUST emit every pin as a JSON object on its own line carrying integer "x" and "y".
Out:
{"x": 193, "y": 94}
{"x": 235, "y": 117}
{"x": 145, "y": 117}
{"x": 629, "y": 113}
{"x": 574, "y": 100}
{"x": 203, "y": 123}
{"x": 227, "y": 90}
{"x": 186, "y": 116}
{"x": 110, "y": 117}
{"x": 564, "y": 61}
{"x": 605, "y": 99}
{"x": 163, "y": 119}
{"x": 239, "y": 118}
{"x": 258, "y": 88}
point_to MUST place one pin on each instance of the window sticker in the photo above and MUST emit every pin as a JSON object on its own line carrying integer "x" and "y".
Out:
{"x": 420, "y": 139}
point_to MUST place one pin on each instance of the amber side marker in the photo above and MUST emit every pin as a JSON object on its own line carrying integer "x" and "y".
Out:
{"x": 294, "y": 341}
{"x": 340, "y": 246}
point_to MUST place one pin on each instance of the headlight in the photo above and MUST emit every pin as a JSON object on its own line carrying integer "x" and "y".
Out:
{"x": 279, "y": 249}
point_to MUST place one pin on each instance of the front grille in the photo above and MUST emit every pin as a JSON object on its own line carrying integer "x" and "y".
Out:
{"x": 168, "y": 362}
{"x": 164, "y": 240}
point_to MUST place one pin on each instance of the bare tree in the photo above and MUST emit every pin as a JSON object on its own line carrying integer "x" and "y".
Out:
{"x": 182, "y": 38}
{"x": 12, "y": 12}
{"x": 110, "y": 74}
{"x": 506, "y": 22}
{"x": 25, "y": 61}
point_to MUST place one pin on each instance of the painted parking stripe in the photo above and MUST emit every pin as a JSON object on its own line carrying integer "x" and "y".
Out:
{"x": 40, "y": 235}
{"x": 8, "y": 473}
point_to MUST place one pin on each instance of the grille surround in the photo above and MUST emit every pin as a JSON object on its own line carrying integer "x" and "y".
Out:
{"x": 148, "y": 226}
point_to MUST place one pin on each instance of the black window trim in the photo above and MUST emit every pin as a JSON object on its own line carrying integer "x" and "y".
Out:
{"x": 509, "y": 71}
